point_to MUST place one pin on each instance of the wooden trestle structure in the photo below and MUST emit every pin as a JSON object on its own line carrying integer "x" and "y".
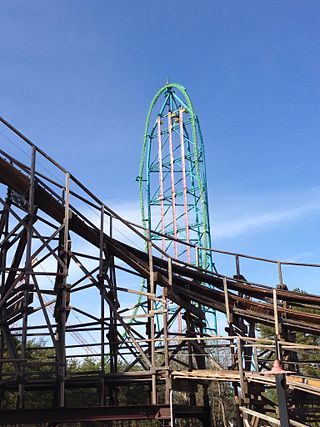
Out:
{"x": 61, "y": 255}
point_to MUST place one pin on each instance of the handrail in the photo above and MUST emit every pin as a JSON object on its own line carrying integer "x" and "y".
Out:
{"x": 223, "y": 252}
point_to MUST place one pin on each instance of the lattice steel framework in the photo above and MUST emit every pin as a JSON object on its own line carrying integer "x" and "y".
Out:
{"x": 173, "y": 182}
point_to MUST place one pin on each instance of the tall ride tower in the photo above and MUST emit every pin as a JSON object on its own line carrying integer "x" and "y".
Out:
{"x": 173, "y": 183}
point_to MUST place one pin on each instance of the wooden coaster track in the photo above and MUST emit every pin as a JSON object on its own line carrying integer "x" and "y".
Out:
{"x": 41, "y": 221}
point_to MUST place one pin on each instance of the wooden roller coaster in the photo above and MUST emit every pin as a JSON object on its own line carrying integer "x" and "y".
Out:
{"x": 68, "y": 274}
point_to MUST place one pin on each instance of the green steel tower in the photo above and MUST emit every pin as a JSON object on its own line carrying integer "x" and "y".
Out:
{"x": 173, "y": 183}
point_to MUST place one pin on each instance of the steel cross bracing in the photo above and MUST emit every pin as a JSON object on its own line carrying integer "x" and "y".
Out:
{"x": 173, "y": 183}
{"x": 65, "y": 271}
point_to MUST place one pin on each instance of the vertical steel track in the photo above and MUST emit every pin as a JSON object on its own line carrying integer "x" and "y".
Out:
{"x": 172, "y": 182}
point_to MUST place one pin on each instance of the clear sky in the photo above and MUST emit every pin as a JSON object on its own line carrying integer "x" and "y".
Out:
{"x": 77, "y": 77}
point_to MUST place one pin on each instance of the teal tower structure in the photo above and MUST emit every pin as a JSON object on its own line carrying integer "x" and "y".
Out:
{"x": 173, "y": 182}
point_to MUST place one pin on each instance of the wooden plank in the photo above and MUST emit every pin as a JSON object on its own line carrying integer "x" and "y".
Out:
{"x": 269, "y": 419}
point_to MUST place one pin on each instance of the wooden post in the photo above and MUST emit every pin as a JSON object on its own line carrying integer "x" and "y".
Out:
{"x": 275, "y": 310}
{"x": 226, "y": 299}
{"x": 102, "y": 308}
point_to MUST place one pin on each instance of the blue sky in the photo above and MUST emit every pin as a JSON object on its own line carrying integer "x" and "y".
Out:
{"x": 77, "y": 77}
